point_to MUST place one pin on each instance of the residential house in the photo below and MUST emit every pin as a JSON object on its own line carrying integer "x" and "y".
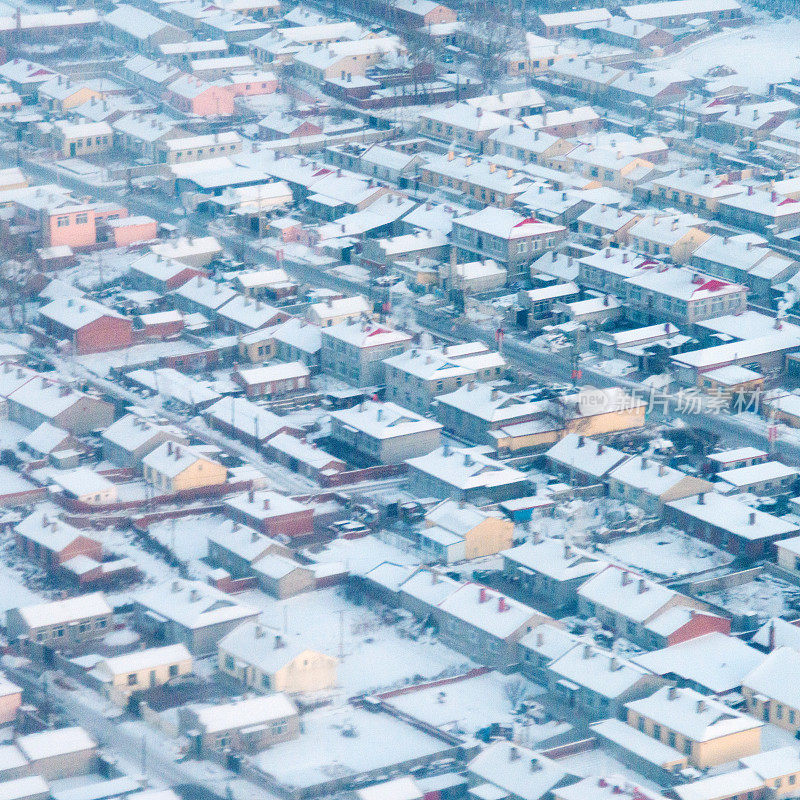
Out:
{"x": 627, "y": 602}
{"x": 281, "y": 576}
{"x": 59, "y": 753}
{"x": 235, "y": 548}
{"x": 707, "y": 731}
{"x": 770, "y": 690}
{"x": 123, "y": 675}
{"x": 550, "y": 571}
{"x": 263, "y": 660}
{"x": 465, "y": 473}
{"x": 132, "y": 437}
{"x": 189, "y": 612}
{"x": 88, "y": 326}
{"x": 271, "y": 513}
{"x": 173, "y": 468}
{"x": 78, "y": 139}
{"x": 273, "y": 380}
{"x": 384, "y": 433}
{"x": 247, "y": 725}
{"x": 355, "y": 352}
{"x": 584, "y": 460}
{"x": 61, "y": 623}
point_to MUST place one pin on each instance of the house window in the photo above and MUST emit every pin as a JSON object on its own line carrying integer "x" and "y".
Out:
{"x": 173, "y": 670}
{"x": 62, "y": 222}
{"x": 132, "y": 679}
{"x": 81, "y": 219}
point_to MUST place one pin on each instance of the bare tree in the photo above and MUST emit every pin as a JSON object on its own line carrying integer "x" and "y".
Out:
{"x": 515, "y": 690}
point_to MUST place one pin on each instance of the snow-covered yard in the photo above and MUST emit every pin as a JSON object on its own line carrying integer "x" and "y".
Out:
{"x": 746, "y": 50}
{"x": 667, "y": 552}
{"x": 765, "y": 596}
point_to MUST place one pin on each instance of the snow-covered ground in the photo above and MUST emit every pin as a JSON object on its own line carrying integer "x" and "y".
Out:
{"x": 751, "y": 50}
{"x": 766, "y": 597}
{"x": 667, "y": 552}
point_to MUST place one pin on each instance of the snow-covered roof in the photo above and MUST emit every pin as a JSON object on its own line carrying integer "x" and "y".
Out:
{"x": 279, "y": 371}
{"x": 640, "y": 744}
{"x": 135, "y": 22}
{"x": 756, "y": 473}
{"x": 508, "y": 766}
{"x": 140, "y": 660}
{"x": 585, "y": 454}
{"x": 384, "y": 420}
{"x": 549, "y": 641}
{"x": 132, "y": 431}
{"x": 567, "y": 18}
{"x": 365, "y": 334}
{"x": 45, "y": 438}
{"x": 266, "y": 649}
{"x": 729, "y": 514}
{"x": 506, "y": 224}
{"x": 65, "y": 611}
{"x": 194, "y": 604}
{"x": 678, "y": 8}
{"x": 738, "y": 783}
{"x": 777, "y": 632}
{"x": 556, "y": 559}
{"x": 172, "y": 459}
{"x": 55, "y": 743}
{"x": 773, "y": 764}
{"x": 259, "y": 710}
{"x": 264, "y": 504}
{"x": 466, "y": 468}
{"x": 80, "y": 481}
{"x": 308, "y": 453}
{"x": 455, "y": 516}
{"x": 715, "y": 661}
{"x": 598, "y": 670}
{"x": 206, "y": 293}
{"x": 244, "y": 541}
{"x": 651, "y": 476}
{"x": 49, "y": 532}
{"x": 627, "y": 593}
{"x": 247, "y": 417}
{"x": 75, "y": 313}
{"x": 695, "y": 716}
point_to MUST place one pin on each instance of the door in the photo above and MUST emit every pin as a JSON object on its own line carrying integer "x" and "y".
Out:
{"x": 72, "y": 148}
{"x": 152, "y": 677}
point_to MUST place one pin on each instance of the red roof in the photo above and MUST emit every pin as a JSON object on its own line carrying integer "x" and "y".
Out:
{"x": 528, "y": 221}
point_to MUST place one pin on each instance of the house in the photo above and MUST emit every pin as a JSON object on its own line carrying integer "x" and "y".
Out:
{"x": 728, "y": 523}
{"x": 173, "y": 468}
{"x": 281, "y": 576}
{"x": 761, "y": 211}
{"x": 249, "y": 423}
{"x": 336, "y": 310}
{"x": 682, "y": 624}
{"x": 132, "y": 437}
{"x": 465, "y": 473}
{"x": 712, "y": 663}
{"x": 140, "y": 133}
{"x": 339, "y": 60}
{"x": 766, "y": 478}
{"x": 486, "y": 625}
{"x": 417, "y": 377}
{"x": 626, "y": 602}
{"x": 77, "y": 139}
{"x": 550, "y": 571}
{"x": 504, "y": 236}
{"x": 273, "y": 380}
{"x": 477, "y": 532}
{"x": 563, "y": 23}
{"x": 770, "y": 691}
{"x": 52, "y": 542}
{"x": 504, "y": 769}
{"x": 650, "y": 484}
{"x": 778, "y": 769}
{"x": 543, "y": 645}
{"x": 235, "y": 548}
{"x": 189, "y": 612}
{"x": 60, "y": 94}
{"x": 463, "y": 124}
{"x": 584, "y": 460}
{"x": 10, "y": 700}
{"x": 243, "y": 314}
{"x": 423, "y": 13}
{"x": 142, "y": 669}
{"x": 59, "y": 753}
{"x": 706, "y": 730}
{"x": 61, "y": 623}
{"x": 598, "y": 682}
{"x": 85, "y": 486}
{"x": 248, "y": 725}
{"x": 133, "y": 230}
{"x": 304, "y": 457}
{"x": 355, "y": 352}
{"x": 195, "y": 96}
{"x": 271, "y": 513}
{"x": 140, "y": 30}
{"x": 265, "y": 661}
{"x": 677, "y": 13}
{"x": 384, "y": 433}
{"x": 776, "y": 632}
{"x": 88, "y": 326}
{"x": 297, "y": 340}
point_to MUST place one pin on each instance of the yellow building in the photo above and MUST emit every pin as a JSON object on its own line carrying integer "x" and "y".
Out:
{"x": 779, "y": 769}
{"x": 142, "y": 669}
{"x": 82, "y": 138}
{"x": 174, "y": 468}
{"x": 483, "y": 534}
{"x": 262, "y": 660}
{"x": 61, "y": 94}
{"x": 706, "y": 730}
{"x": 257, "y": 347}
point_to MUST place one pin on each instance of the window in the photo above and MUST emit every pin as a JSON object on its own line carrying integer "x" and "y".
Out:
{"x": 81, "y": 219}
{"x": 229, "y": 663}
{"x": 62, "y": 222}
{"x": 132, "y": 679}
{"x": 173, "y": 670}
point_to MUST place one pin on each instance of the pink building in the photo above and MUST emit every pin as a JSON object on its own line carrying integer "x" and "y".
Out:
{"x": 195, "y": 96}
{"x": 10, "y": 700}
{"x": 132, "y": 230}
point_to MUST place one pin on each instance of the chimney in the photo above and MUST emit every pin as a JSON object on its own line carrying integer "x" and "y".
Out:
{"x": 701, "y": 499}
{"x": 701, "y": 706}
{"x": 176, "y": 586}
{"x": 169, "y": 448}
{"x": 643, "y": 464}
{"x": 672, "y": 693}
{"x": 587, "y": 651}
{"x": 752, "y": 518}
{"x": 279, "y": 641}
{"x": 251, "y": 496}
{"x": 502, "y": 605}
{"x": 259, "y": 632}
{"x": 194, "y": 595}
{"x": 771, "y": 643}
{"x": 642, "y": 588}
{"x": 513, "y": 754}
{"x": 482, "y": 595}
{"x": 626, "y": 578}
{"x": 581, "y": 440}
{"x": 266, "y": 504}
